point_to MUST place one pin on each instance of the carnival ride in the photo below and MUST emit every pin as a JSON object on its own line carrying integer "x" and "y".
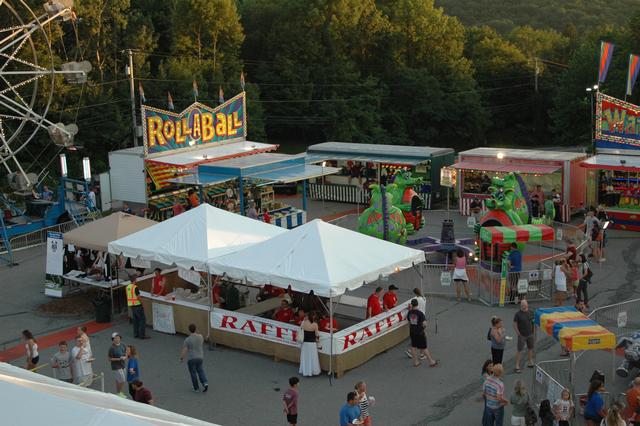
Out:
{"x": 28, "y": 80}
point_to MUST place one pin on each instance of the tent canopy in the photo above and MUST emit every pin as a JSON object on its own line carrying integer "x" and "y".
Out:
{"x": 317, "y": 256}
{"x": 191, "y": 238}
{"x": 573, "y": 329}
{"x": 60, "y": 403}
{"x": 623, "y": 163}
{"x": 516, "y": 234}
{"x": 97, "y": 234}
{"x": 506, "y": 167}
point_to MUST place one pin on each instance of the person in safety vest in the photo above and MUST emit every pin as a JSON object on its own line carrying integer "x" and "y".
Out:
{"x": 137, "y": 311}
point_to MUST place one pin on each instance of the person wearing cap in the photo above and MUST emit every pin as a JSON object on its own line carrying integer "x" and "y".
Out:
{"x": 373, "y": 303}
{"x": 390, "y": 299}
{"x": 117, "y": 358}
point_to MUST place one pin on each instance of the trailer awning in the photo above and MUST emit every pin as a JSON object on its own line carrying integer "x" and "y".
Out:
{"x": 624, "y": 163}
{"x": 516, "y": 234}
{"x": 213, "y": 153}
{"x": 204, "y": 179}
{"x": 506, "y": 167}
{"x": 294, "y": 173}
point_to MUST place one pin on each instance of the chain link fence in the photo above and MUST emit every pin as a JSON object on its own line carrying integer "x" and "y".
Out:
{"x": 36, "y": 238}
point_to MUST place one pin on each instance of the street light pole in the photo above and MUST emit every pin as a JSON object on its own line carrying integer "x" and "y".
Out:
{"x": 590, "y": 91}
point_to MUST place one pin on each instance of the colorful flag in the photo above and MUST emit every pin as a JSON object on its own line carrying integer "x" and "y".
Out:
{"x": 141, "y": 92}
{"x": 606, "y": 52}
{"x": 169, "y": 101}
{"x": 632, "y": 75}
{"x": 242, "y": 79}
{"x": 221, "y": 96}
{"x": 195, "y": 89}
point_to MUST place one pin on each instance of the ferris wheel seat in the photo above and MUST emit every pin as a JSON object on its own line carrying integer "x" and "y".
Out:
{"x": 53, "y": 7}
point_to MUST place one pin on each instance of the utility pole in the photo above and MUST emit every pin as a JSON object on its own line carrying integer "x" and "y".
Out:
{"x": 134, "y": 134}
{"x": 536, "y": 75}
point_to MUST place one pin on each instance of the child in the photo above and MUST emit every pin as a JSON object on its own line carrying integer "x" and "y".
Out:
{"x": 61, "y": 361}
{"x": 545, "y": 414}
{"x": 133, "y": 371}
{"x": 563, "y": 408}
{"x": 290, "y": 401}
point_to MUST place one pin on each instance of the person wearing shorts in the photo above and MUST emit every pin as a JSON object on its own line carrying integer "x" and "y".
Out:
{"x": 523, "y": 324}
{"x": 460, "y": 277}
{"x": 417, "y": 326}
{"x": 290, "y": 401}
{"x": 117, "y": 358}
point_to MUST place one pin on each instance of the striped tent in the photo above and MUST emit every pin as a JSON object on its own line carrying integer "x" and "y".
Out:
{"x": 573, "y": 329}
{"x": 516, "y": 234}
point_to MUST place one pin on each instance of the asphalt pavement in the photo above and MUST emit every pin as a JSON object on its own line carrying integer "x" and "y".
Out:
{"x": 246, "y": 388}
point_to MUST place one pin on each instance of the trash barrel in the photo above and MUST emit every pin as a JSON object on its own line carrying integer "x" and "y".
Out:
{"x": 103, "y": 309}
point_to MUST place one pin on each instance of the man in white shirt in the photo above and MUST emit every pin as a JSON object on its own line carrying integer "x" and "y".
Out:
{"x": 82, "y": 369}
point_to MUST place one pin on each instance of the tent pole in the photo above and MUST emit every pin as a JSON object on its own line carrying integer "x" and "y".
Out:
{"x": 209, "y": 294}
{"x": 113, "y": 313}
{"x": 572, "y": 365}
{"x": 330, "y": 340}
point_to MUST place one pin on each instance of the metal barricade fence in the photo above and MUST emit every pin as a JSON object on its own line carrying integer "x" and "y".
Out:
{"x": 36, "y": 238}
{"x": 551, "y": 377}
{"x": 435, "y": 284}
{"x": 532, "y": 284}
{"x": 623, "y": 319}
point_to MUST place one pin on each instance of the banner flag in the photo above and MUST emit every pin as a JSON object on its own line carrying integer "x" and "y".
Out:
{"x": 632, "y": 75}
{"x": 606, "y": 53}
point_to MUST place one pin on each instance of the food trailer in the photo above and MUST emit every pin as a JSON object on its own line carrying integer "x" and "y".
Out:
{"x": 361, "y": 164}
{"x": 176, "y": 164}
{"x": 614, "y": 172}
{"x": 557, "y": 172}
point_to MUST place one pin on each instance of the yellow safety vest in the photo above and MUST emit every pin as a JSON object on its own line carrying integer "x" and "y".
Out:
{"x": 132, "y": 298}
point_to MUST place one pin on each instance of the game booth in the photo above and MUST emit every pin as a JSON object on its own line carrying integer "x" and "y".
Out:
{"x": 576, "y": 333}
{"x": 553, "y": 170}
{"x": 201, "y": 155}
{"x": 363, "y": 164}
{"x": 181, "y": 247}
{"x": 614, "y": 172}
{"x": 79, "y": 257}
{"x": 332, "y": 263}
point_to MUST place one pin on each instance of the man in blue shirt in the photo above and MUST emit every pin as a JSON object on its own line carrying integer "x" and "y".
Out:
{"x": 350, "y": 411}
{"x": 515, "y": 266}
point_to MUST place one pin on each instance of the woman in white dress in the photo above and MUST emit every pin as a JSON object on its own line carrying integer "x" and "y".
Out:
{"x": 309, "y": 361}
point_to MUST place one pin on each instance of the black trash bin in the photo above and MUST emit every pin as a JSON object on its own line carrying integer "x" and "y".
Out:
{"x": 103, "y": 309}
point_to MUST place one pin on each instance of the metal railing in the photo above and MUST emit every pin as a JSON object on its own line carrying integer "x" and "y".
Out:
{"x": 622, "y": 319}
{"x": 551, "y": 377}
{"x": 89, "y": 383}
{"x": 532, "y": 284}
{"x": 566, "y": 233}
{"x": 36, "y": 238}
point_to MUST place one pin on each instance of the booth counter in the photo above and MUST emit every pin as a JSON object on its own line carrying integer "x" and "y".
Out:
{"x": 352, "y": 346}
{"x": 553, "y": 170}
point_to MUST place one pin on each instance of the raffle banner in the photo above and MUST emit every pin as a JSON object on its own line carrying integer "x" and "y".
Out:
{"x": 55, "y": 253}
{"x": 345, "y": 340}
{"x": 617, "y": 123}
{"x": 361, "y": 333}
{"x": 166, "y": 132}
{"x": 249, "y": 325}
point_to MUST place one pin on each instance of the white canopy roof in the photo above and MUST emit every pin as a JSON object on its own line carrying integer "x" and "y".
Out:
{"x": 317, "y": 256}
{"x": 33, "y": 399}
{"x": 191, "y": 238}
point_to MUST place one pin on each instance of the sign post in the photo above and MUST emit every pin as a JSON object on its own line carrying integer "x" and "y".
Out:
{"x": 448, "y": 178}
{"x": 55, "y": 253}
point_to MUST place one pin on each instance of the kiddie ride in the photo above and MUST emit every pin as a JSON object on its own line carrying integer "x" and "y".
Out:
{"x": 629, "y": 347}
{"x": 395, "y": 211}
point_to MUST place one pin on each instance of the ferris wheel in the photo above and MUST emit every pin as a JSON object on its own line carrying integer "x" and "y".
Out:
{"x": 29, "y": 77}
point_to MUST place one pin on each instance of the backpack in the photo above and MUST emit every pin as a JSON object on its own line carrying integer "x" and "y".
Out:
{"x": 530, "y": 418}
{"x": 489, "y": 334}
{"x": 589, "y": 274}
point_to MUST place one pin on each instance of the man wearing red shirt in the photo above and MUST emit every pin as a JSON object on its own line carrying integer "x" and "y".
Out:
{"x": 284, "y": 313}
{"x": 373, "y": 303}
{"x": 390, "y": 299}
{"x": 159, "y": 283}
{"x": 323, "y": 325}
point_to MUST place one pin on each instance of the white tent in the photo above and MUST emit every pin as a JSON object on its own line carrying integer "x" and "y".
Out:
{"x": 191, "y": 238}
{"x": 33, "y": 399}
{"x": 317, "y": 256}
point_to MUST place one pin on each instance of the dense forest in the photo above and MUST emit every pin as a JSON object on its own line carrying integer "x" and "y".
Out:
{"x": 470, "y": 73}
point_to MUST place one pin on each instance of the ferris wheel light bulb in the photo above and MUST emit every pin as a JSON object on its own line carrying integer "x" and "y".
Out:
{"x": 63, "y": 165}
{"x": 86, "y": 168}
